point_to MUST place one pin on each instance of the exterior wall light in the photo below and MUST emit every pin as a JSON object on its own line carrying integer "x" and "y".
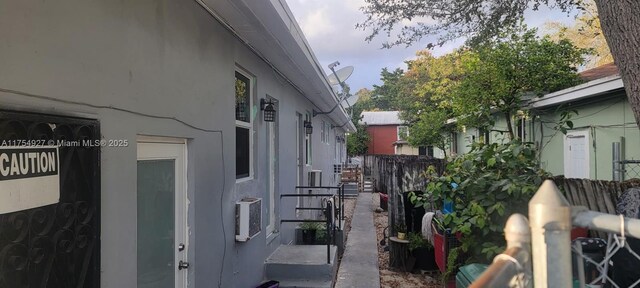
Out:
{"x": 308, "y": 129}
{"x": 269, "y": 113}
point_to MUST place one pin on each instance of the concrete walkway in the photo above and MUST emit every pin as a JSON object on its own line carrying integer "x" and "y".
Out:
{"x": 359, "y": 266}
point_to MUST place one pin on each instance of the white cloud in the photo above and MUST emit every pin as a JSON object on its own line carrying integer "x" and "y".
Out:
{"x": 329, "y": 26}
{"x": 317, "y": 24}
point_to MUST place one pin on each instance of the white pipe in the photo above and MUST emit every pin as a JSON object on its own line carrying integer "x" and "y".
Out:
{"x": 583, "y": 217}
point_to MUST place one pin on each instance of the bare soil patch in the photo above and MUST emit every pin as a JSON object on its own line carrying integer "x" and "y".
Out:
{"x": 388, "y": 277}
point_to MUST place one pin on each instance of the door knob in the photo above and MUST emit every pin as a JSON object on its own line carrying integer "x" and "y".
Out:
{"x": 181, "y": 247}
{"x": 183, "y": 265}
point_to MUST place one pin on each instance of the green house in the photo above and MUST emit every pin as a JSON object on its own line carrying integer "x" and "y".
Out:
{"x": 604, "y": 120}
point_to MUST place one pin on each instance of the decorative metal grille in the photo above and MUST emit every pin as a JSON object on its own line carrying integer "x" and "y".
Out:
{"x": 55, "y": 245}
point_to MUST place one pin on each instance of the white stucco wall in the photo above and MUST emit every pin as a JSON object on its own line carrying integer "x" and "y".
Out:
{"x": 164, "y": 58}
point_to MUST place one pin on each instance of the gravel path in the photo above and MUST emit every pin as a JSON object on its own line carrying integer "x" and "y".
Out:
{"x": 389, "y": 278}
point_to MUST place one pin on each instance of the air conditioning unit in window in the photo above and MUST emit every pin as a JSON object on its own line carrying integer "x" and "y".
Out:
{"x": 315, "y": 178}
{"x": 248, "y": 218}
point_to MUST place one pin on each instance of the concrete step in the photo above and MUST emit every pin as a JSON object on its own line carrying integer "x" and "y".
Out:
{"x": 305, "y": 284}
{"x": 367, "y": 186}
{"x": 300, "y": 264}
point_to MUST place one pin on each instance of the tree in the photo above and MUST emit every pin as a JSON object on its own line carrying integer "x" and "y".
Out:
{"x": 483, "y": 19}
{"x": 385, "y": 96}
{"x": 431, "y": 129}
{"x": 586, "y": 33}
{"x": 358, "y": 142}
{"x": 509, "y": 67}
{"x": 427, "y": 107}
{"x": 364, "y": 103}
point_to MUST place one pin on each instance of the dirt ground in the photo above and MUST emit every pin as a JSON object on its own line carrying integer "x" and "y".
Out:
{"x": 349, "y": 207}
{"x": 388, "y": 277}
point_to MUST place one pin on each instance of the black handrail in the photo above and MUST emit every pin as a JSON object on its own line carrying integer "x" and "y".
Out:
{"x": 319, "y": 187}
{"x": 327, "y": 211}
{"x": 307, "y": 195}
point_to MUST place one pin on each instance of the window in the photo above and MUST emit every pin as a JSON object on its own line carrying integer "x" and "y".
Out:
{"x": 307, "y": 142}
{"x": 244, "y": 153}
{"x": 425, "y": 150}
{"x": 520, "y": 130}
{"x": 454, "y": 143}
{"x": 327, "y": 128}
{"x": 403, "y": 133}
{"x": 322, "y": 136}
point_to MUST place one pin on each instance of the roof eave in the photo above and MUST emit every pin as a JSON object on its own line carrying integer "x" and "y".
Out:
{"x": 582, "y": 91}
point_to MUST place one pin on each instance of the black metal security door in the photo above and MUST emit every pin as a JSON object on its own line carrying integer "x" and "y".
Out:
{"x": 55, "y": 245}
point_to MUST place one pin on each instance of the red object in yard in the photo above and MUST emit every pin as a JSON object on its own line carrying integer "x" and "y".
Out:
{"x": 440, "y": 252}
{"x": 384, "y": 201}
{"x": 577, "y": 232}
{"x": 442, "y": 244}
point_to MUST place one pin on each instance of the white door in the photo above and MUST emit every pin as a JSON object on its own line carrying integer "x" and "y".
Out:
{"x": 271, "y": 197}
{"x": 161, "y": 215}
{"x": 576, "y": 155}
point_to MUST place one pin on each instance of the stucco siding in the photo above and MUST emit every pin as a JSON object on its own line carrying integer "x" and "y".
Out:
{"x": 148, "y": 59}
{"x": 606, "y": 121}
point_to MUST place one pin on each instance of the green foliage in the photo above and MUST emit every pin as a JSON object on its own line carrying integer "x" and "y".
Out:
{"x": 384, "y": 97}
{"x": 417, "y": 241}
{"x": 364, "y": 103}
{"x": 476, "y": 20}
{"x": 505, "y": 70}
{"x": 312, "y": 226}
{"x": 400, "y": 228}
{"x": 431, "y": 129}
{"x": 426, "y": 102}
{"x": 452, "y": 260}
{"x": 494, "y": 181}
{"x": 358, "y": 142}
{"x": 565, "y": 123}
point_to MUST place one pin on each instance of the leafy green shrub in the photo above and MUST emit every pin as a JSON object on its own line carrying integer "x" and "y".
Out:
{"x": 416, "y": 241}
{"x": 494, "y": 181}
{"x": 312, "y": 226}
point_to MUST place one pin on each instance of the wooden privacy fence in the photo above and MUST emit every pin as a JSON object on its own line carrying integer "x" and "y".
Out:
{"x": 597, "y": 195}
{"x": 396, "y": 174}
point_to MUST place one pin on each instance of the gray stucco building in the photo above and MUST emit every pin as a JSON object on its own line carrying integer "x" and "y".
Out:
{"x": 154, "y": 84}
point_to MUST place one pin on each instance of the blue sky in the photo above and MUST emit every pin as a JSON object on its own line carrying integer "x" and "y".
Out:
{"x": 329, "y": 26}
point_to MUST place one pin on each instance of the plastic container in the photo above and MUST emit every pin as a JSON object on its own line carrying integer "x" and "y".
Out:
{"x": 468, "y": 274}
{"x": 442, "y": 244}
{"x": 447, "y": 207}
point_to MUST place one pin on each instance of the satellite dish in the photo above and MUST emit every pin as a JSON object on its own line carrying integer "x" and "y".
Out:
{"x": 352, "y": 100}
{"x": 342, "y": 74}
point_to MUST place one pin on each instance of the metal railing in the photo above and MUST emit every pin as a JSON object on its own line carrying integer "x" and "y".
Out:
{"x": 327, "y": 208}
{"x": 548, "y": 263}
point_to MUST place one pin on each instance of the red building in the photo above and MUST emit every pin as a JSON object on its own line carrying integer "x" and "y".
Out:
{"x": 386, "y": 130}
